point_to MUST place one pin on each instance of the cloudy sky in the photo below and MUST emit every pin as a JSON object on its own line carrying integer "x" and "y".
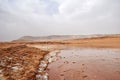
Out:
{"x": 57, "y": 17}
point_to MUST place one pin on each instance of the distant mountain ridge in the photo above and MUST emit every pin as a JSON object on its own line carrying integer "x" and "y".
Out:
{"x": 57, "y": 37}
{"x": 52, "y": 37}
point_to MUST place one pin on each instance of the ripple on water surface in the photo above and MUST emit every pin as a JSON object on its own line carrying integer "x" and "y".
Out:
{"x": 86, "y": 64}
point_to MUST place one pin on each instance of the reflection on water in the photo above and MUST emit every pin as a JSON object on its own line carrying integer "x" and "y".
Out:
{"x": 86, "y": 64}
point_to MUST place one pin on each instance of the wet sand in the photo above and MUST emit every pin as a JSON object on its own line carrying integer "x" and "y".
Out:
{"x": 88, "y": 59}
{"x": 86, "y": 64}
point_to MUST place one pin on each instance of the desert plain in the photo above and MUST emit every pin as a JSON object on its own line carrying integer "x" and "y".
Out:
{"x": 86, "y": 58}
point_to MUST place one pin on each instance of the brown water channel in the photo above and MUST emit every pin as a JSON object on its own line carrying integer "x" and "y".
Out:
{"x": 86, "y": 64}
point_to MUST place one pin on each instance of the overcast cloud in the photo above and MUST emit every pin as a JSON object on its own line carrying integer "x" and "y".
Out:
{"x": 56, "y": 17}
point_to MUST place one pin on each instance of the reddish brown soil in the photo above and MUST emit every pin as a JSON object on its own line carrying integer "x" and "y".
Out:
{"x": 100, "y": 42}
{"x": 112, "y": 41}
{"x": 20, "y": 62}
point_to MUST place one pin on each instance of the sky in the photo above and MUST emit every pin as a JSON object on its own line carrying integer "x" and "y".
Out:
{"x": 58, "y": 17}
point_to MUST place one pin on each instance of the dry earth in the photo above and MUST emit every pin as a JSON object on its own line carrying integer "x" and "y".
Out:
{"x": 20, "y": 62}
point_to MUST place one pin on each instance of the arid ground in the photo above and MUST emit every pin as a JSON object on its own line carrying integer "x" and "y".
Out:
{"x": 95, "y": 58}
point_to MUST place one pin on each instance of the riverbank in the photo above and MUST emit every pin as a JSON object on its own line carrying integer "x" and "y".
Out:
{"x": 26, "y": 60}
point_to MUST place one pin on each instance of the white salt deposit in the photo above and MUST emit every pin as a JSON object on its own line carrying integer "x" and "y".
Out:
{"x": 44, "y": 63}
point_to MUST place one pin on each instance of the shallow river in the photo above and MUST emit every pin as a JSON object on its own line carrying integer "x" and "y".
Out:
{"x": 86, "y": 64}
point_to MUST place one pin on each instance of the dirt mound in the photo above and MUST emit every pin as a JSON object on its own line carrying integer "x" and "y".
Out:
{"x": 20, "y": 62}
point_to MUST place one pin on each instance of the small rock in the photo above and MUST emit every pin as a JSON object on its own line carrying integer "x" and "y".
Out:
{"x": 40, "y": 70}
{"x": 46, "y": 57}
{"x": 43, "y": 64}
{"x": 73, "y": 62}
{"x": 15, "y": 68}
{"x": 0, "y": 71}
{"x": 39, "y": 76}
{"x": 52, "y": 54}
{"x": 84, "y": 76}
{"x": 50, "y": 60}
{"x": 83, "y": 64}
{"x": 45, "y": 76}
{"x": 61, "y": 74}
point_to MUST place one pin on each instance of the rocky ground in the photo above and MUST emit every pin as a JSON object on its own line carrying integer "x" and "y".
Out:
{"x": 20, "y": 62}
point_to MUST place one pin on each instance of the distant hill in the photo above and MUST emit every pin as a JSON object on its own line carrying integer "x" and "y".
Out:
{"x": 56, "y": 37}
{"x": 52, "y": 37}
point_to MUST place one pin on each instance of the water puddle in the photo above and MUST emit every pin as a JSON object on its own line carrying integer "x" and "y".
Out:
{"x": 84, "y": 64}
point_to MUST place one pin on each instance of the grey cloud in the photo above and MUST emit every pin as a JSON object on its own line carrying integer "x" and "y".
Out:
{"x": 52, "y": 17}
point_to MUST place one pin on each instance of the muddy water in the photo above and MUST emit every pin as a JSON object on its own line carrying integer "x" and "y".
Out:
{"x": 86, "y": 64}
